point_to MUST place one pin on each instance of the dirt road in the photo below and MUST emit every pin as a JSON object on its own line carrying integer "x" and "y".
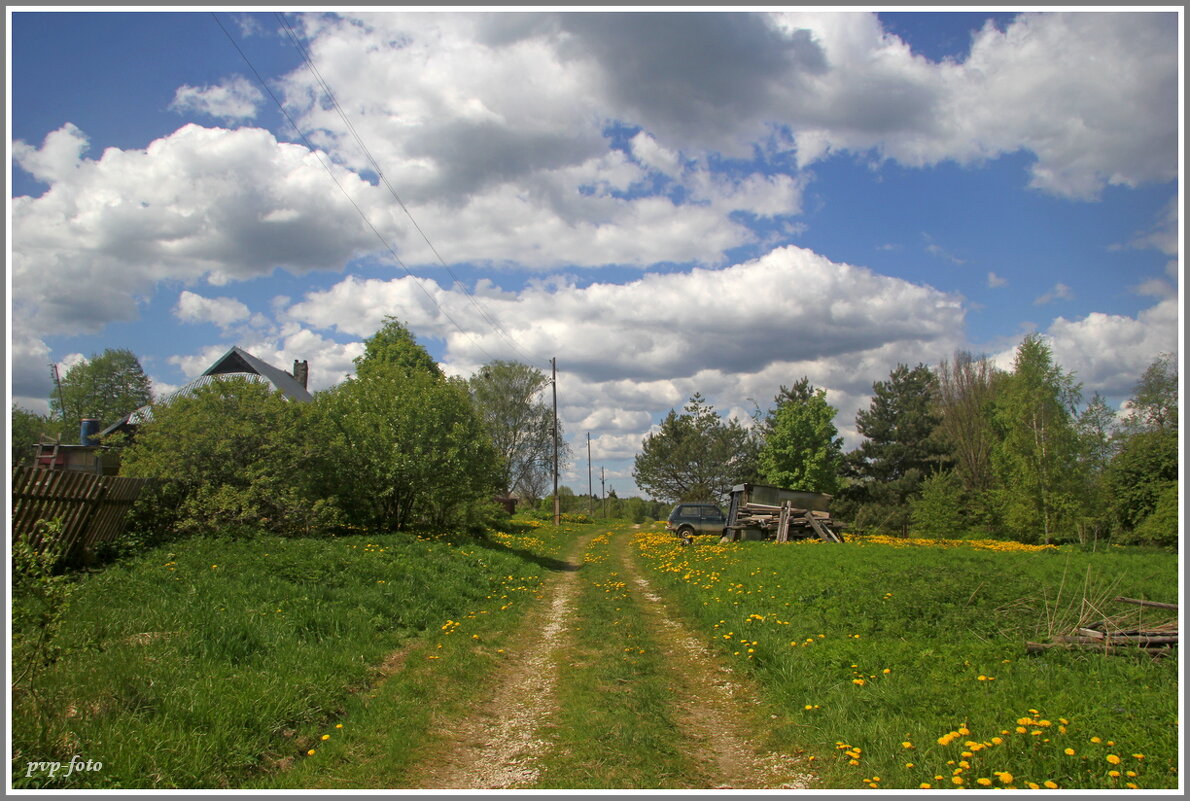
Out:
{"x": 509, "y": 739}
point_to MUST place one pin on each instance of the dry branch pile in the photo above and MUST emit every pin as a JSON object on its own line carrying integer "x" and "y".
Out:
{"x": 1128, "y": 631}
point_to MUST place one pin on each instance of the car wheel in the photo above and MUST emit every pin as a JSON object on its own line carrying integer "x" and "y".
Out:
{"x": 685, "y": 532}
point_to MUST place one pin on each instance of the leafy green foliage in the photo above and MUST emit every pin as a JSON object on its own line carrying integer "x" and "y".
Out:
{"x": 1139, "y": 473}
{"x": 1037, "y": 458}
{"x": 937, "y": 511}
{"x": 1154, "y": 404}
{"x": 520, "y": 424}
{"x": 695, "y": 456}
{"x": 899, "y": 449}
{"x": 409, "y": 446}
{"x": 107, "y": 386}
{"x": 1160, "y": 526}
{"x": 394, "y": 344}
{"x": 802, "y": 448}
{"x": 28, "y": 428}
{"x": 235, "y": 456}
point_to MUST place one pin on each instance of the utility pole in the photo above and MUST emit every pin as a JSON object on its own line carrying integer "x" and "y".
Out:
{"x": 590, "y": 488}
{"x": 58, "y": 383}
{"x": 603, "y": 491}
{"x": 554, "y": 381}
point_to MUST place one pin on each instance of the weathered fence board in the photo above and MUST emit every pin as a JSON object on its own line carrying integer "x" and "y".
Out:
{"x": 92, "y": 508}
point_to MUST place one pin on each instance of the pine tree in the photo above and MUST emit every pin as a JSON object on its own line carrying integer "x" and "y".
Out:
{"x": 899, "y": 449}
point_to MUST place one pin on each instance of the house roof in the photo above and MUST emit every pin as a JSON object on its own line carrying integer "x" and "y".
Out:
{"x": 236, "y": 363}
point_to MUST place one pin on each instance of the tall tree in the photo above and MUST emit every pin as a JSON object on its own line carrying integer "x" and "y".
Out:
{"x": 1037, "y": 458}
{"x": 693, "y": 456}
{"x": 1154, "y": 402}
{"x": 964, "y": 391}
{"x": 802, "y": 449}
{"x": 415, "y": 446}
{"x": 507, "y": 398}
{"x": 394, "y": 344}
{"x": 899, "y": 448}
{"x": 107, "y": 386}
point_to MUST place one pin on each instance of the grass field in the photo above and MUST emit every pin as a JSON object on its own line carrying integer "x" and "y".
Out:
{"x": 903, "y": 665}
{"x": 217, "y": 661}
{"x": 331, "y": 663}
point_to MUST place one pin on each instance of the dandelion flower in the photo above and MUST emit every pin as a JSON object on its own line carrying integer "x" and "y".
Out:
{"x": 1069, "y": 752}
{"x": 1006, "y": 778}
{"x": 310, "y": 752}
{"x": 984, "y": 781}
{"x": 1096, "y": 740}
{"x": 1051, "y": 784}
{"x": 906, "y": 744}
{"x": 925, "y": 785}
{"x": 1113, "y": 759}
{"x": 1115, "y": 774}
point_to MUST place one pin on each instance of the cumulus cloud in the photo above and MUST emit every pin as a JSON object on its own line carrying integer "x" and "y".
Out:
{"x": 235, "y": 99}
{"x": 1108, "y": 352}
{"x": 201, "y": 203}
{"x": 194, "y": 308}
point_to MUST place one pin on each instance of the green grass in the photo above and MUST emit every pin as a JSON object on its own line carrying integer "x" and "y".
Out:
{"x": 219, "y": 662}
{"x": 887, "y": 645}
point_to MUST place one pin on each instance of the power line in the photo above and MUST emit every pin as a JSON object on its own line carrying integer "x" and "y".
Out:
{"x": 375, "y": 165}
{"x": 342, "y": 189}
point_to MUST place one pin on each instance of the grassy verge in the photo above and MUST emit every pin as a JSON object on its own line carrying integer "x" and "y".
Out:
{"x": 226, "y": 663}
{"x": 905, "y": 667}
{"x": 614, "y": 728}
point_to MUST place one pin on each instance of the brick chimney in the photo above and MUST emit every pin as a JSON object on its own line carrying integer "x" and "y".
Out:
{"x": 301, "y": 371}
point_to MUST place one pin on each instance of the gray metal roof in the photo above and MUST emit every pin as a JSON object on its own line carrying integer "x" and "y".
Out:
{"x": 236, "y": 363}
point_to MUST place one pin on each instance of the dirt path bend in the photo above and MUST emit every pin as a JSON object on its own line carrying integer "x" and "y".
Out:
{"x": 497, "y": 745}
{"x": 718, "y": 711}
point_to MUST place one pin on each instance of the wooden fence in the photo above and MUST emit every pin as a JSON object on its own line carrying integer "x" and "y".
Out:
{"x": 93, "y": 509}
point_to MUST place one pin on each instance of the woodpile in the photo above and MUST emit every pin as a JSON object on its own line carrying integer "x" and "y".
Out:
{"x": 1121, "y": 633}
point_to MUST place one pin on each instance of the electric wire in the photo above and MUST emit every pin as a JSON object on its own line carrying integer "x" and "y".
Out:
{"x": 343, "y": 189}
{"x": 375, "y": 166}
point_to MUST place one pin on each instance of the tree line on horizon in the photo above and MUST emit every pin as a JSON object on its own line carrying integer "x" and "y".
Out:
{"x": 959, "y": 449}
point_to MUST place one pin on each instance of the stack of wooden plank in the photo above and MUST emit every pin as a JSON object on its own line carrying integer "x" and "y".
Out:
{"x": 1122, "y": 632}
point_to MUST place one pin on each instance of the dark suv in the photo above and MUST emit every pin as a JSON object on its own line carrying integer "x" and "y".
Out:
{"x": 688, "y": 519}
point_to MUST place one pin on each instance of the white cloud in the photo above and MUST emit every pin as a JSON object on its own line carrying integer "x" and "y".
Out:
{"x": 1091, "y": 95}
{"x": 235, "y": 99}
{"x": 995, "y": 281}
{"x": 1058, "y": 292}
{"x": 58, "y": 157}
{"x": 1108, "y": 352}
{"x": 199, "y": 203}
{"x": 194, "y": 308}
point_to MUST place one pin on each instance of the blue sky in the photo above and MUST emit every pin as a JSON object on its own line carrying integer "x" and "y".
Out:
{"x": 668, "y": 203}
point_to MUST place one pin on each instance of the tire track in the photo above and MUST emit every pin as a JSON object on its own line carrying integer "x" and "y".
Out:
{"x": 719, "y": 734}
{"x": 498, "y": 745}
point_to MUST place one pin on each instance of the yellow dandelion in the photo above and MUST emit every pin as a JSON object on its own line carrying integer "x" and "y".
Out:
{"x": 310, "y": 752}
{"x": 1051, "y": 784}
{"x": 925, "y": 785}
{"x": 986, "y": 782}
{"x": 1096, "y": 740}
{"x": 1006, "y": 778}
{"x": 1115, "y": 774}
{"x": 906, "y": 744}
{"x": 326, "y": 737}
{"x": 1113, "y": 759}
{"x": 1069, "y": 752}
